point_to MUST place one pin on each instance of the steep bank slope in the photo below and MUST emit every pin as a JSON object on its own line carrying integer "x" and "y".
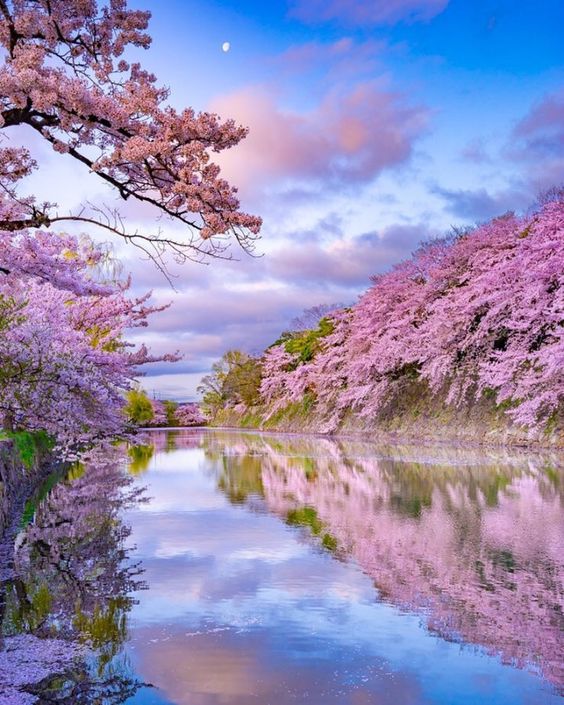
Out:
{"x": 416, "y": 416}
{"x": 22, "y": 470}
{"x": 463, "y": 341}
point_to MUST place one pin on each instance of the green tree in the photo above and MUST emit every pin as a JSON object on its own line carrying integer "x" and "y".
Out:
{"x": 138, "y": 408}
{"x": 234, "y": 379}
{"x": 306, "y": 343}
{"x": 170, "y": 411}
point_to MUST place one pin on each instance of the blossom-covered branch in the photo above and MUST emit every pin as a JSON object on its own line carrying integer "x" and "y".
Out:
{"x": 65, "y": 79}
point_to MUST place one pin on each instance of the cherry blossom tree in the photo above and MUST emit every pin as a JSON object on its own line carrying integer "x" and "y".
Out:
{"x": 65, "y": 78}
{"x": 477, "y": 313}
{"x": 189, "y": 414}
{"x": 159, "y": 413}
{"x": 64, "y": 362}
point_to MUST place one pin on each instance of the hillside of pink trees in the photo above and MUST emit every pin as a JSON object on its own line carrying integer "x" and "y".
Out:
{"x": 472, "y": 319}
{"x": 471, "y": 541}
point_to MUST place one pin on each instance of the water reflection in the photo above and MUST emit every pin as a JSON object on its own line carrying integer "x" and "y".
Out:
{"x": 289, "y": 569}
{"x": 252, "y": 543}
{"x": 474, "y": 541}
{"x": 72, "y": 585}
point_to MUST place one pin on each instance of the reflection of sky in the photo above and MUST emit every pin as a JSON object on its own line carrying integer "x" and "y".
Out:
{"x": 243, "y": 608}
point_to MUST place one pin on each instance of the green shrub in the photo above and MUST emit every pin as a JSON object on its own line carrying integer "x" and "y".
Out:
{"x": 138, "y": 408}
{"x": 305, "y": 516}
{"x": 305, "y": 345}
{"x": 29, "y": 445}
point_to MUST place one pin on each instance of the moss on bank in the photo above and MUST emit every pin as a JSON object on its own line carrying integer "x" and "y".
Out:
{"x": 29, "y": 447}
{"x": 414, "y": 414}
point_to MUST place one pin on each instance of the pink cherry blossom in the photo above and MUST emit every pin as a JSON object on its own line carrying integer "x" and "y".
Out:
{"x": 64, "y": 77}
{"x": 473, "y": 314}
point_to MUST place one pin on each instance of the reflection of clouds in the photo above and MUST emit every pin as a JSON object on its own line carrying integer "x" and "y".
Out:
{"x": 171, "y": 496}
{"x": 237, "y": 593}
{"x": 223, "y": 666}
{"x": 216, "y": 532}
{"x": 265, "y": 554}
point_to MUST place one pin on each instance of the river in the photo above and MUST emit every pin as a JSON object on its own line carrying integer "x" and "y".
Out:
{"x": 283, "y": 569}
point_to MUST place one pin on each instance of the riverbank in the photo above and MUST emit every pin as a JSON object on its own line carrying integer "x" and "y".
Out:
{"x": 21, "y": 476}
{"x": 415, "y": 418}
{"x": 65, "y": 578}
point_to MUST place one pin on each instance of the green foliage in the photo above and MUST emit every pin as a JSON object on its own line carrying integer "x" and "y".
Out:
{"x": 10, "y": 313}
{"x": 170, "y": 411}
{"x": 552, "y": 422}
{"x": 29, "y": 613}
{"x": 32, "y": 504}
{"x": 493, "y": 488}
{"x": 234, "y": 379}
{"x": 76, "y": 471}
{"x": 306, "y": 344}
{"x": 329, "y": 542}
{"x": 138, "y": 408}
{"x": 305, "y": 516}
{"x": 140, "y": 458}
{"x": 105, "y": 629}
{"x": 104, "y": 625}
{"x": 310, "y": 469}
{"x": 24, "y": 444}
{"x": 298, "y": 410}
{"x": 241, "y": 478}
{"x": 29, "y": 445}
{"x": 251, "y": 420}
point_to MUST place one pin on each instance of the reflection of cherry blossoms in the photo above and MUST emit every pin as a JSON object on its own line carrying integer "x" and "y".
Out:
{"x": 166, "y": 441}
{"x": 473, "y": 544}
{"x": 72, "y": 589}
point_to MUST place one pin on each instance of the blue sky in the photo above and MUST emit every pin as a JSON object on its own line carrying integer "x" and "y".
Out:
{"x": 373, "y": 126}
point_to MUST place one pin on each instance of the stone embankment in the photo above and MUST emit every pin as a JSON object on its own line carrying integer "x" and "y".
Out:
{"x": 414, "y": 418}
{"x": 11, "y": 473}
{"x": 18, "y": 482}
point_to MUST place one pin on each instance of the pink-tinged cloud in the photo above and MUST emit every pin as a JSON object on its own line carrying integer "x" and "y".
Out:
{"x": 537, "y": 142}
{"x": 546, "y": 119}
{"x": 362, "y": 12}
{"x": 301, "y": 55}
{"x": 542, "y": 130}
{"x": 346, "y": 262}
{"x": 349, "y": 138}
{"x": 344, "y": 59}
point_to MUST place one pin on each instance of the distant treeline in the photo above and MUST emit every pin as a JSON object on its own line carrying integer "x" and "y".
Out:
{"x": 143, "y": 411}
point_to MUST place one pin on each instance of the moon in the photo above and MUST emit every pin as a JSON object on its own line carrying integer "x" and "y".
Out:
{"x": 226, "y": 46}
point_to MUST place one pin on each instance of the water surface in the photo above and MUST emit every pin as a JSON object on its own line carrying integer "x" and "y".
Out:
{"x": 288, "y": 569}
{"x": 280, "y": 569}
